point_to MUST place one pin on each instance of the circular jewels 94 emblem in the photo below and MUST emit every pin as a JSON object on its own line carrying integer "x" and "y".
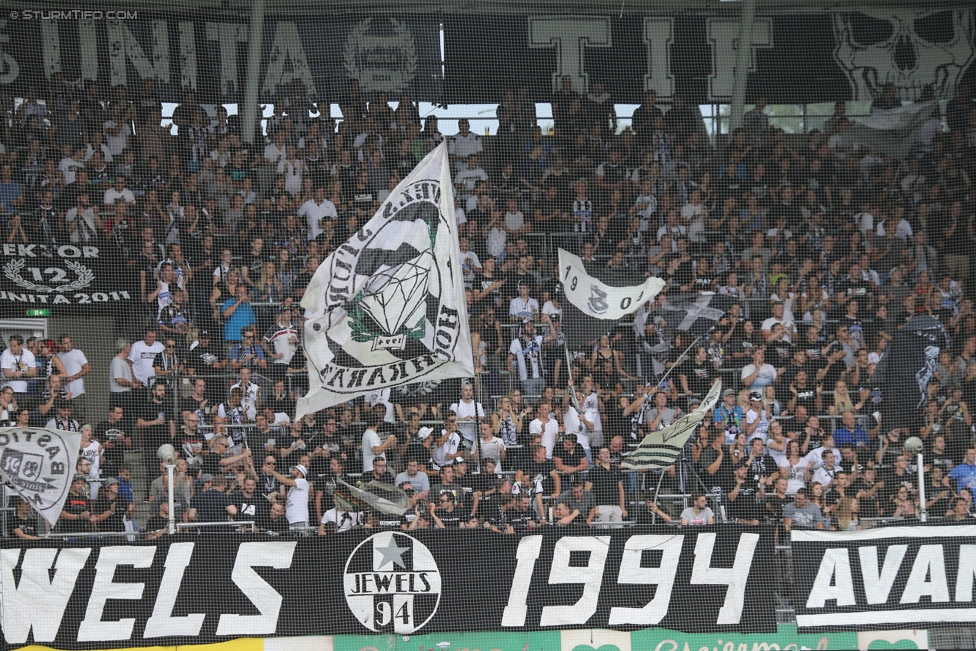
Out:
{"x": 392, "y": 583}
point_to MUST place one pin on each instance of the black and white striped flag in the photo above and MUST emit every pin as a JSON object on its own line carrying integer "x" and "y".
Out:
{"x": 661, "y": 448}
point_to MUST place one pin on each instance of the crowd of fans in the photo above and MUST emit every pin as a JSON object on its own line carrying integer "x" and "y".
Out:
{"x": 819, "y": 249}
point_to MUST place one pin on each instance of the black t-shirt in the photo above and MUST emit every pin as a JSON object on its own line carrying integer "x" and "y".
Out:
{"x": 28, "y": 526}
{"x": 202, "y": 358}
{"x": 520, "y": 519}
{"x": 806, "y": 397}
{"x": 834, "y": 374}
{"x": 211, "y": 464}
{"x": 721, "y": 479}
{"x": 113, "y": 522}
{"x": 870, "y": 506}
{"x": 454, "y": 490}
{"x": 779, "y": 354}
{"x": 150, "y": 411}
{"x": 538, "y": 475}
{"x": 191, "y": 404}
{"x": 211, "y": 505}
{"x": 699, "y": 376}
{"x": 570, "y": 460}
{"x": 106, "y": 431}
{"x": 943, "y": 504}
{"x": 254, "y": 264}
{"x": 760, "y": 468}
{"x": 893, "y": 482}
{"x": 417, "y": 451}
{"x": 775, "y": 504}
{"x": 745, "y": 506}
{"x": 155, "y": 523}
{"x": 453, "y": 519}
{"x": 277, "y": 526}
{"x": 75, "y": 504}
{"x": 256, "y": 507}
{"x": 606, "y": 489}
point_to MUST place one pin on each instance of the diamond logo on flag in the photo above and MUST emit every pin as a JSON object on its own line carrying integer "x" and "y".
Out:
{"x": 386, "y": 309}
{"x": 402, "y": 296}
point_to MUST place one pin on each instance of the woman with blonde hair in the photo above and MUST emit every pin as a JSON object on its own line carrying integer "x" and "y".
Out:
{"x": 846, "y": 514}
{"x": 842, "y": 400}
{"x": 269, "y": 287}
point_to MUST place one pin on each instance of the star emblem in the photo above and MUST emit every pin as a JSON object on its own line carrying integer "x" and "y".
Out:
{"x": 392, "y": 553}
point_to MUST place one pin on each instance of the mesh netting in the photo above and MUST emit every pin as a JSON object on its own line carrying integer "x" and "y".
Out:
{"x": 173, "y": 178}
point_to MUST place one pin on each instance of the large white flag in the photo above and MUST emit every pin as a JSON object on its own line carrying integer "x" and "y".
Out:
{"x": 387, "y": 307}
{"x": 40, "y": 464}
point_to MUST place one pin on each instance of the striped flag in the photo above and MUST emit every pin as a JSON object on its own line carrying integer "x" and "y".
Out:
{"x": 661, "y": 448}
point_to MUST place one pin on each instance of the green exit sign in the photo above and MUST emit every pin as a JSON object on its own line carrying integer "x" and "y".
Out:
{"x": 38, "y": 312}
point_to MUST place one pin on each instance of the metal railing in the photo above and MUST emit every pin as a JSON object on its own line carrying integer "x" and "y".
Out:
{"x": 224, "y": 527}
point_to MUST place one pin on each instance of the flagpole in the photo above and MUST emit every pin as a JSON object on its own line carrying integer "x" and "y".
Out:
{"x": 676, "y": 364}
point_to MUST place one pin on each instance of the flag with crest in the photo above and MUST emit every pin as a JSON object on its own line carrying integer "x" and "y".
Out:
{"x": 387, "y": 308}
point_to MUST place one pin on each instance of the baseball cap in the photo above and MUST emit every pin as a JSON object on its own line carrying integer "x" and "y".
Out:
{"x": 203, "y": 334}
{"x": 108, "y": 482}
{"x": 205, "y": 477}
{"x": 728, "y": 392}
{"x": 301, "y": 469}
{"x": 460, "y": 460}
{"x": 79, "y": 477}
{"x": 755, "y": 395}
{"x": 424, "y": 432}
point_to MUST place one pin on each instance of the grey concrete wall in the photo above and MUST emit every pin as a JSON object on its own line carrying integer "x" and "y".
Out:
{"x": 95, "y": 336}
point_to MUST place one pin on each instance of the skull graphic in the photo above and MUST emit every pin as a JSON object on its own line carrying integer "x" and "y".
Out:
{"x": 909, "y": 48}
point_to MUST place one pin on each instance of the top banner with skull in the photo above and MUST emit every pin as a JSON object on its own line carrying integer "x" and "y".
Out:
{"x": 815, "y": 56}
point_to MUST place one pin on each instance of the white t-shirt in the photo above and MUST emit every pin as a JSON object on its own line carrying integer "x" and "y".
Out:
{"x": 296, "y": 508}
{"x": 142, "y": 357}
{"x": 823, "y": 476}
{"x": 469, "y": 260}
{"x": 549, "y": 434}
{"x": 762, "y": 431}
{"x": 816, "y": 456}
{"x": 344, "y": 520}
{"x": 117, "y": 142}
{"x": 591, "y": 411}
{"x": 315, "y": 213}
{"x": 112, "y": 195}
{"x": 550, "y": 309}
{"x": 370, "y": 440}
{"x": 23, "y": 362}
{"x": 468, "y": 428}
{"x": 529, "y": 358}
{"x": 250, "y": 397}
{"x": 443, "y": 455}
{"x": 73, "y": 363}
{"x": 785, "y": 322}
{"x": 528, "y": 308}
{"x": 119, "y": 369}
{"x": 767, "y": 375}
{"x": 694, "y": 217}
{"x": 573, "y": 424}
